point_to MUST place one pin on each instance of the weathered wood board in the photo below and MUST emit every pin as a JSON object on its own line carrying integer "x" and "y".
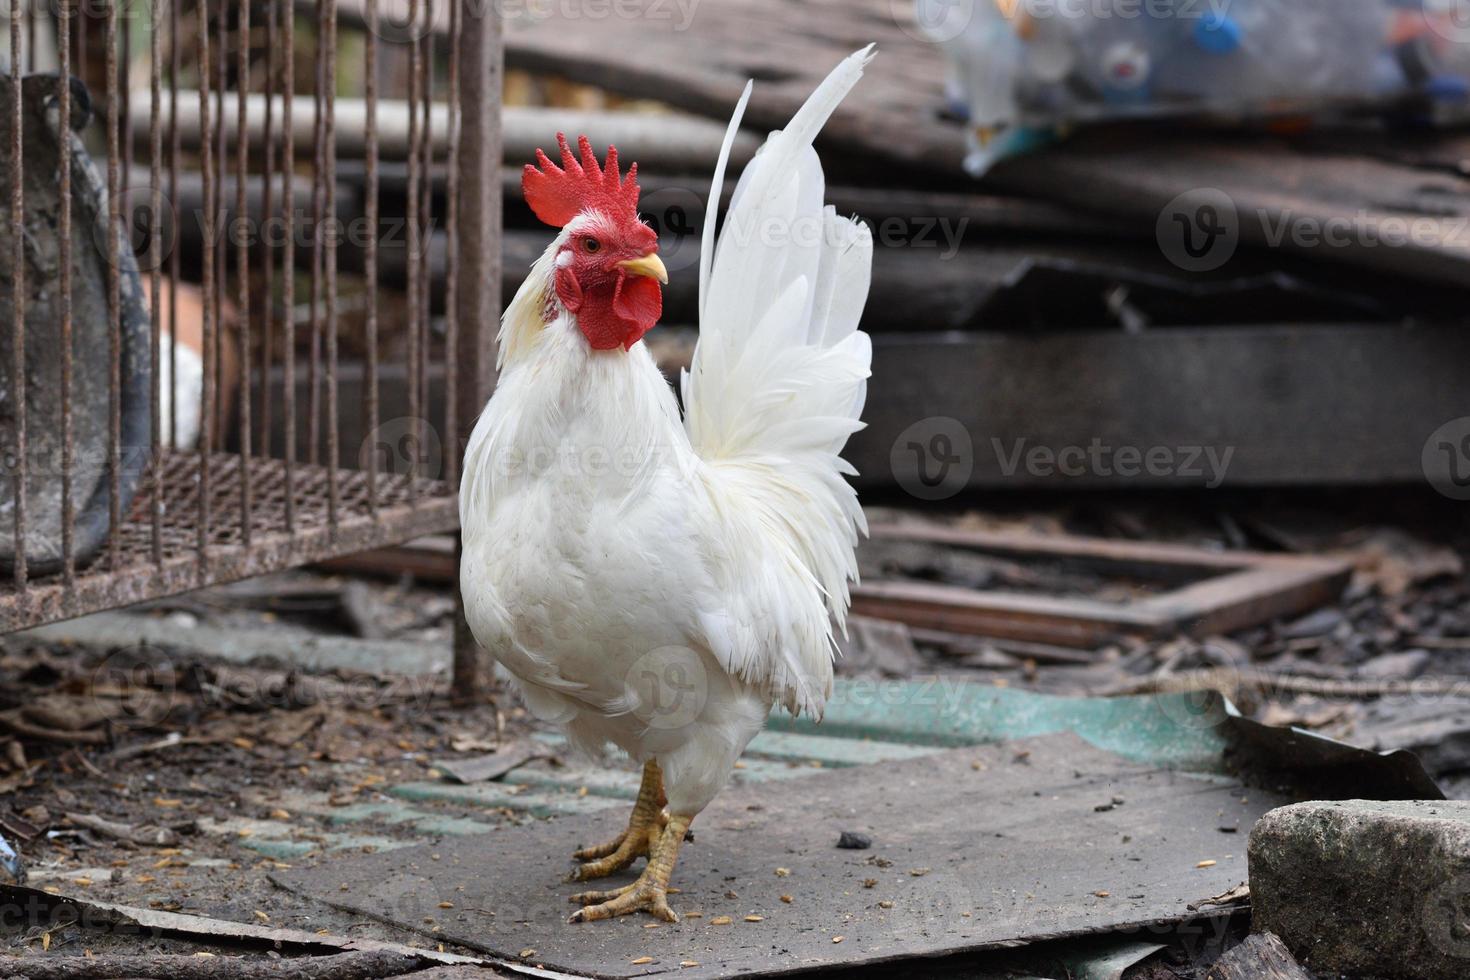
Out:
{"x": 974, "y": 849}
{"x": 1344, "y": 405}
{"x": 1388, "y": 200}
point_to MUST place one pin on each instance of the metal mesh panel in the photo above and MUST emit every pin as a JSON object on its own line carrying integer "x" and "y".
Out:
{"x": 182, "y": 285}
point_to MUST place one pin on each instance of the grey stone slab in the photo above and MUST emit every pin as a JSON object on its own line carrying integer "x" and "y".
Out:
{"x": 974, "y": 848}
{"x": 1366, "y": 887}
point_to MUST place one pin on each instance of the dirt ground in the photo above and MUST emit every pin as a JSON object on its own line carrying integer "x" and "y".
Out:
{"x": 133, "y": 774}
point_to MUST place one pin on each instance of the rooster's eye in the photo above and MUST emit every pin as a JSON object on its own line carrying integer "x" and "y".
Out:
{"x": 592, "y": 245}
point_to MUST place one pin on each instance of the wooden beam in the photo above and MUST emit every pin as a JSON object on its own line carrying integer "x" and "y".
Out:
{"x": 1289, "y": 405}
{"x": 477, "y": 296}
{"x": 1218, "y": 592}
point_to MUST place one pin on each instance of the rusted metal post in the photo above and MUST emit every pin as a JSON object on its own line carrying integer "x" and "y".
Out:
{"x": 477, "y": 300}
{"x": 18, "y": 284}
{"x": 370, "y": 252}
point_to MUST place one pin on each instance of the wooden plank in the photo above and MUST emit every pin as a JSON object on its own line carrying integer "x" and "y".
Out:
{"x": 1356, "y": 205}
{"x": 1149, "y": 558}
{"x": 1037, "y": 619}
{"x": 1239, "y": 590}
{"x": 1348, "y": 405}
{"x": 699, "y": 63}
{"x": 1250, "y": 597}
{"x": 1261, "y": 957}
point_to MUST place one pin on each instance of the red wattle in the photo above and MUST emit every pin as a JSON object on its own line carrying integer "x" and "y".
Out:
{"x": 620, "y": 318}
{"x": 638, "y": 302}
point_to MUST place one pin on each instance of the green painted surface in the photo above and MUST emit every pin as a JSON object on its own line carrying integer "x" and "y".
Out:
{"x": 1170, "y": 731}
{"x": 496, "y": 796}
{"x": 830, "y": 750}
{"x": 286, "y": 850}
{"x": 622, "y": 783}
{"x": 393, "y": 812}
{"x": 866, "y": 722}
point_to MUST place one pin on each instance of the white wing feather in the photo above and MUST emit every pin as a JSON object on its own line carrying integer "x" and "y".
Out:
{"x": 775, "y": 389}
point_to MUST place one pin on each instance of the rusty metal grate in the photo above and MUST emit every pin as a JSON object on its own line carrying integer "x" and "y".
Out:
{"x": 405, "y": 508}
{"x": 209, "y": 167}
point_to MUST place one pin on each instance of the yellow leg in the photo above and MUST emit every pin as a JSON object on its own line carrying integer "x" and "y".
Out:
{"x": 650, "y": 893}
{"x": 634, "y": 842}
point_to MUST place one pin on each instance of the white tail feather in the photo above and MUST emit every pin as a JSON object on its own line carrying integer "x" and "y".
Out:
{"x": 775, "y": 390}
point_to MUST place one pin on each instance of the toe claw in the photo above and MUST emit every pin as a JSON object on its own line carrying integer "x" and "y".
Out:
{"x": 625, "y": 902}
{"x": 592, "y": 852}
{"x": 597, "y": 898}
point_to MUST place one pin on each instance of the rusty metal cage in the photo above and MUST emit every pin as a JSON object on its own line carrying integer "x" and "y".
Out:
{"x": 212, "y": 241}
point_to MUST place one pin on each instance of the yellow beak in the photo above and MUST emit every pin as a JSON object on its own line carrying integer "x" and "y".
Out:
{"x": 650, "y": 265}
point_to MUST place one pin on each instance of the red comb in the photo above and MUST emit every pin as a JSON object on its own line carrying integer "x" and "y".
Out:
{"x": 559, "y": 194}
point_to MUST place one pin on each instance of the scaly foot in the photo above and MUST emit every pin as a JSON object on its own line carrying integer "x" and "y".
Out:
{"x": 650, "y": 893}
{"x": 637, "y": 841}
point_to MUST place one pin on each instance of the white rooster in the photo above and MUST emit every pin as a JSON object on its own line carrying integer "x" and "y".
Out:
{"x": 657, "y": 584}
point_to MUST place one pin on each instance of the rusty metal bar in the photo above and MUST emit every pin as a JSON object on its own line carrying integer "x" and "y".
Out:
{"x": 18, "y": 283}
{"x": 222, "y": 246}
{"x": 155, "y": 231}
{"x": 423, "y": 302}
{"x": 174, "y": 272}
{"x": 242, "y": 262}
{"x": 114, "y": 292}
{"x": 329, "y": 256}
{"x": 415, "y": 265}
{"x": 68, "y": 558}
{"x": 370, "y": 259}
{"x": 318, "y": 164}
{"x": 268, "y": 291}
{"x": 477, "y": 216}
{"x": 451, "y": 258}
{"x": 81, "y": 41}
{"x": 124, "y": 70}
{"x": 211, "y": 307}
{"x": 288, "y": 257}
